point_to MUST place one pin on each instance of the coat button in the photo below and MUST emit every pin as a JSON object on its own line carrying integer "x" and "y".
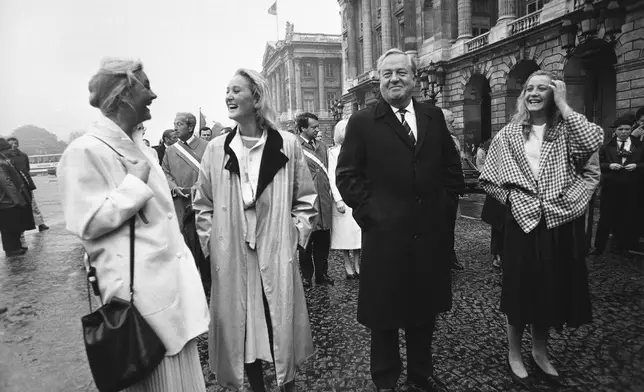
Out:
{"x": 169, "y": 215}
{"x": 179, "y": 254}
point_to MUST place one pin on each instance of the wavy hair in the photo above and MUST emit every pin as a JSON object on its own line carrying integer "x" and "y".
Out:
{"x": 108, "y": 87}
{"x": 264, "y": 113}
{"x": 523, "y": 117}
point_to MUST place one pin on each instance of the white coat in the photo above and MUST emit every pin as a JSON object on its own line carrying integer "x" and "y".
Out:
{"x": 98, "y": 199}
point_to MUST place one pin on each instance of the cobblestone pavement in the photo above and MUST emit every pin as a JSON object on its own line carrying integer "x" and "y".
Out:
{"x": 41, "y": 346}
{"x": 470, "y": 344}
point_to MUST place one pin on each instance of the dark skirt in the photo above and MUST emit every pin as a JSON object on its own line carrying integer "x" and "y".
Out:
{"x": 545, "y": 280}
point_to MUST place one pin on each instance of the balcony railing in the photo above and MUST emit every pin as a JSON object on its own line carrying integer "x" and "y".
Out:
{"x": 525, "y": 23}
{"x": 477, "y": 42}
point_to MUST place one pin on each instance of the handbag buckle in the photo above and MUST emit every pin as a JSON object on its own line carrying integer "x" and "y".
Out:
{"x": 93, "y": 280}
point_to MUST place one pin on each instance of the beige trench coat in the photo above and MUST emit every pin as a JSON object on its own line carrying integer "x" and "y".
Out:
{"x": 285, "y": 213}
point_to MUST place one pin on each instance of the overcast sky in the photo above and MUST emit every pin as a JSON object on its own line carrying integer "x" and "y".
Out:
{"x": 189, "y": 49}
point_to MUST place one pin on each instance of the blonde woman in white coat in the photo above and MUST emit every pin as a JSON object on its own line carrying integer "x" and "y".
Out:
{"x": 345, "y": 232}
{"x": 101, "y": 191}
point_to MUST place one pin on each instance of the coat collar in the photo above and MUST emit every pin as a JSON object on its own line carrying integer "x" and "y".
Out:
{"x": 383, "y": 112}
{"x": 108, "y": 131}
{"x": 273, "y": 159}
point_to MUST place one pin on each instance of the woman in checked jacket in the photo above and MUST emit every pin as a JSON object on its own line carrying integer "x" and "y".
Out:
{"x": 531, "y": 168}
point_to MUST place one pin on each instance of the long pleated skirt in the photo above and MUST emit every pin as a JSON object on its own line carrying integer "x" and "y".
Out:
{"x": 545, "y": 280}
{"x": 181, "y": 372}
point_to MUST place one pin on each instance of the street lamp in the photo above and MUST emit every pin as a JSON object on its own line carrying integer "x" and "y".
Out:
{"x": 588, "y": 22}
{"x": 336, "y": 109}
{"x": 432, "y": 81}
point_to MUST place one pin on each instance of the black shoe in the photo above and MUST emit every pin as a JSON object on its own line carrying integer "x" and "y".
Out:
{"x": 324, "y": 279}
{"x": 24, "y": 248}
{"x": 352, "y": 276}
{"x": 306, "y": 283}
{"x": 596, "y": 252}
{"x": 43, "y": 227}
{"x": 18, "y": 252}
{"x": 3, "y": 309}
{"x": 525, "y": 382}
{"x": 550, "y": 378}
{"x": 431, "y": 384}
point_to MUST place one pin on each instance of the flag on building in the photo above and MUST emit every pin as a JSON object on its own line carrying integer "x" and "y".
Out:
{"x": 202, "y": 120}
{"x": 273, "y": 9}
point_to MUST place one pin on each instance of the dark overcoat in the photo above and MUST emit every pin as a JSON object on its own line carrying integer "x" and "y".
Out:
{"x": 404, "y": 197}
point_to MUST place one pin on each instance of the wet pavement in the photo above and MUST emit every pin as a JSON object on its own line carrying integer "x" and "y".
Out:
{"x": 41, "y": 344}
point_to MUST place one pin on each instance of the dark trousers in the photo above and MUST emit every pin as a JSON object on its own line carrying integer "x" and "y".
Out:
{"x": 254, "y": 370}
{"x": 617, "y": 209}
{"x": 11, "y": 240}
{"x": 496, "y": 242}
{"x": 189, "y": 232}
{"x": 386, "y": 365}
{"x": 589, "y": 223}
{"x": 316, "y": 251}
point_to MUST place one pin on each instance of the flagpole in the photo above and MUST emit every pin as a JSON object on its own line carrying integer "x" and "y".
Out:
{"x": 277, "y": 21}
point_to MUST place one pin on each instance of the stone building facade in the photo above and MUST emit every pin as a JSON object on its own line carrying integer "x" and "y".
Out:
{"x": 305, "y": 74}
{"x": 488, "y": 48}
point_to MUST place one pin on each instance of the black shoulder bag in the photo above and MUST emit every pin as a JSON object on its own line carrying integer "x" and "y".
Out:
{"x": 122, "y": 348}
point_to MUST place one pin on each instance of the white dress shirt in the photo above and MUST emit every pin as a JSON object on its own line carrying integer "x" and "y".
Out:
{"x": 627, "y": 147}
{"x": 410, "y": 117}
{"x": 533, "y": 148}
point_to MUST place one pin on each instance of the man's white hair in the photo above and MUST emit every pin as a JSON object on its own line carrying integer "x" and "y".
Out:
{"x": 412, "y": 63}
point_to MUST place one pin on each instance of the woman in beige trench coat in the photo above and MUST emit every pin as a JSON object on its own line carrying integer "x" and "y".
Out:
{"x": 255, "y": 204}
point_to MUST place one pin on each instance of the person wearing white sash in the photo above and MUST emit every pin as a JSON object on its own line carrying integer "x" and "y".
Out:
{"x": 181, "y": 167}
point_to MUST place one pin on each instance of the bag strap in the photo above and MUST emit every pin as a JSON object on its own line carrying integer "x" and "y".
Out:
{"x": 132, "y": 225}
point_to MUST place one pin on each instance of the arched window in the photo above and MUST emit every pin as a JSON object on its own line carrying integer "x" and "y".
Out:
{"x": 428, "y": 19}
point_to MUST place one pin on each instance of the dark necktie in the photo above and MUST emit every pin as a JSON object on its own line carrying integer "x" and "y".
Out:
{"x": 410, "y": 133}
{"x": 621, "y": 146}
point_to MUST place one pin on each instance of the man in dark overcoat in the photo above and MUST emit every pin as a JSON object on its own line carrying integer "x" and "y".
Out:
{"x": 400, "y": 172}
{"x": 622, "y": 166}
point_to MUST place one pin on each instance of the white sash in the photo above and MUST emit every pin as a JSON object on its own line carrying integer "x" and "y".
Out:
{"x": 186, "y": 154}
{"x": 315, "y": 160}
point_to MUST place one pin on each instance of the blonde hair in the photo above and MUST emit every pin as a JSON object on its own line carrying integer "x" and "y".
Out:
{"x": 339, "y": 131}
{"x": 109, "y": 87}
{"x": 264, "y": 112}
{"x": 523, "y": 117}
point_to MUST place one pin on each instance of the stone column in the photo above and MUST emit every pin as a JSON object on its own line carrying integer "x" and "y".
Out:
{"x": 464, "y": 19}
{"x": 385, "y": 18}
{"x": 290, "y": 105}
{"x": 507, "y": 10}
{"x": 278, "y": 74}
{"x": 298, "y": 85}
{"x": 352, "y": 40}
{"x": 367, "y": 41}
{"x": 274, "y": 89}
{"x": 321, "y": 85}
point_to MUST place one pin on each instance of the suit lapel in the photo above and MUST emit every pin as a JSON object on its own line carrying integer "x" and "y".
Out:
{"x": 273, "y": 159}
{"x": 232, "y": 165}
{"x": 422, "y": 125}
{"x": 385, "y": 114}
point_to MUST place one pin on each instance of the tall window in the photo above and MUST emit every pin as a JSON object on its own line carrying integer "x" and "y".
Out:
{"x": 478, "y": 30}
{"x": 309, "y": 101}
{"x": 378, "y": 43}
{"x": 329, "y": 70}
{"x": 307, "y": 72}
{"x": 428, "y": 19}
{"x": 401, "y": 34}
{"x": 330, "y": 97}
{"x": 360, "y": 57}
{"x": 534, "y": 5}
{"x": 480, "y": 7}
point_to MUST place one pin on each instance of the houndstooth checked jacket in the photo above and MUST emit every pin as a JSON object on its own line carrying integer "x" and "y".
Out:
{"x": 560, "y": 193}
